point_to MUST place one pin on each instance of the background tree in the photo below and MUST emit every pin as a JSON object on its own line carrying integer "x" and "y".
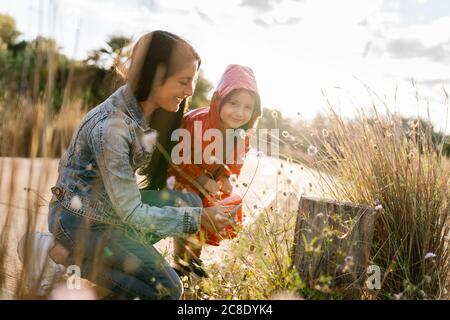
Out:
{"x": 200, "y": 98}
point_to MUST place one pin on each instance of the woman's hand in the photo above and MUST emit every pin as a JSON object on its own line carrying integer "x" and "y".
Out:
{"x": 215, "y": 219}
{"x": 225, "y": 185}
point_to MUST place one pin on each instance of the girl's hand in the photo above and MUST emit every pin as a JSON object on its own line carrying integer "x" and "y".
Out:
{"x": 225, "y": 185}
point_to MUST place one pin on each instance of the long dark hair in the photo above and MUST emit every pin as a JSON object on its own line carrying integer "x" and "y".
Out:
{"x": 151, "y": 51}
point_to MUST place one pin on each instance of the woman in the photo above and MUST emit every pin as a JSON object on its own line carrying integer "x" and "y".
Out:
{"x": 100, "y": 220}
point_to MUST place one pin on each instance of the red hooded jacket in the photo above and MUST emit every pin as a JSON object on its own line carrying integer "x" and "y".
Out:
{"x": 235, "y": 77}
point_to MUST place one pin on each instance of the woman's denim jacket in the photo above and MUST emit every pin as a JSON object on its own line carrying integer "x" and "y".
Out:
{"x": 97, "y": 172}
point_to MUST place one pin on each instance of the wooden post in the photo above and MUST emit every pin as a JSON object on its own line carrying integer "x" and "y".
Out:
{"x": 333, "y": 239}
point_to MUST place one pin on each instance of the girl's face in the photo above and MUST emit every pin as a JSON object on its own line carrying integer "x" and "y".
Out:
{"x": 238, "y": 110}
{"x": 176, "y": 88}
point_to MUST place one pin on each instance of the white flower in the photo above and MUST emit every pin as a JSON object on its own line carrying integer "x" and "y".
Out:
{"x": 378, "y": 207}
{"x": 170, "y": 182}
{"x": 398, "y": 296}
{"x": 75, "y": 203}
{"x": 312, "y": 150}
{"x": 149, "y": 141}
{"x": 430, "y": 255}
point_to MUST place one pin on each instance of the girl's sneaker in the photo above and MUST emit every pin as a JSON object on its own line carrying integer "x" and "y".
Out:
{"x": 42, "y": 271}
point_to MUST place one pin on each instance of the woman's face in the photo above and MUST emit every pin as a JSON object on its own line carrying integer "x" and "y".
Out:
{"x": 176, "y": 88}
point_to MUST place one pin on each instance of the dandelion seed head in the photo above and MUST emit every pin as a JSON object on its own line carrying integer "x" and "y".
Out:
{"x": 75, "y": 203}
{"x": 170, "y": 182}
{"x": 398, "y": 296}
{"x": 430, "y": 255}
{"x": 148, "y": 141}
{"x": 312, "y": 150}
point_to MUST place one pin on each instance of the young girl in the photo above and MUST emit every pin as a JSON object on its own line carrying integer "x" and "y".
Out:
{"x": 235, "y": 105}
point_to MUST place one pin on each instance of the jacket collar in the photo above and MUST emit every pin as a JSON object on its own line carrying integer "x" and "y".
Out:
{"x": 133, "y": 107}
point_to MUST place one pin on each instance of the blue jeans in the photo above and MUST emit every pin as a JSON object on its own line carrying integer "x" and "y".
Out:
{"x": 121, "y": 259}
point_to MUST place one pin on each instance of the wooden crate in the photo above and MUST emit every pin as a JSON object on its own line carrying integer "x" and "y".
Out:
{"x": 333, "y": 239}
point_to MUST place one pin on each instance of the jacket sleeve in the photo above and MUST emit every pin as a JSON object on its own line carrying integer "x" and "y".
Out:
{"x": 110, "y": 141}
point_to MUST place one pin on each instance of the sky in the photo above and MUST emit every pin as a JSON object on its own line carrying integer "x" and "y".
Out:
{"x": 304, "y": 52}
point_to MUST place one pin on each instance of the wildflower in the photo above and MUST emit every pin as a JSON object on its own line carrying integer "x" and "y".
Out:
{"x": 312, "y": 150}
{"x": 170, "y": 182}
{"x": 274, "y": 114}
{"x": 285, "y": 134}
{"x": 378, "y": 207}
{"x": 149, "y": 141}
{"x": 325, "y": 133}
{"x": 430, "y": 255}
{"x": 75, "y": 203}
{"x": 260, "y": 154}
{"x": 398, "y": 296}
